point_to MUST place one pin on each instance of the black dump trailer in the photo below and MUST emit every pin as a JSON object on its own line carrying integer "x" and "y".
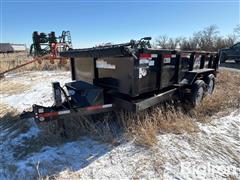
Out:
{"x": 131, "y": 76}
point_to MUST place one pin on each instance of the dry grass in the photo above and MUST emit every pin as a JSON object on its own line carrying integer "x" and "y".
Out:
{"x": 9, "y": 120}
{"x": 167, "y": 118}
{"x": 141, "y": 127}
{"x": 12, "y": 87}
{"x": 231, "y": 177}
{"x": 225, "y": 97}
{"x": 144, "y": 127}
{"x": 178, "y": 118}
{"x": 5, "y": 109}
{"x": 11, "y": 60}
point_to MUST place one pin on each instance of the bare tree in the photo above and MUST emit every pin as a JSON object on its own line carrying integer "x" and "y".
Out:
{"x": 207, "y": 39}
{"x": 162, "y": 41}
{"x": 231, "y": 40}
{"x": 168, "y": 43}
{"x": 189, "y": 43}
{"x": 220, "y": 43}
{"x": 185, "y": 44}
{"x": 173, "y": 42}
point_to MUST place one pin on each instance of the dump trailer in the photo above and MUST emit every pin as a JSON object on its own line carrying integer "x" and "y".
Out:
{"x": 131, "y": 76}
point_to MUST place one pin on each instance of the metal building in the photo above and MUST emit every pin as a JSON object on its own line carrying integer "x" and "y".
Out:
{"x": 19, "y": 47}
{"x": 6, "y": 48}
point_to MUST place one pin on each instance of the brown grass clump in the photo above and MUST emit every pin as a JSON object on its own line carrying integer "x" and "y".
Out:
{"x": 141, "y": 127}
{"x": 12, "y": 87}
{"x": 144, "y": 127}
{"x": 5, "y": 109}
{"x": 226, "y": 96}
{"x": 9, "y": 120}
{"x": 179, "y": 118}
{"x": 174, "y": 120}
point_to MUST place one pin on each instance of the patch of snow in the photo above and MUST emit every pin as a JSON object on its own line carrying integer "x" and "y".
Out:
{"x": 72, "y": 155}
{"x": 9, "y": 144}
{"x": 40, "y": 91}
{"x": 210, "y": 154}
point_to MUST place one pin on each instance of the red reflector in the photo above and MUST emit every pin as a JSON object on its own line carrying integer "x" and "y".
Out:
{"x": 44, "y": 115}
{"x": 145, "y": 55}
{"x": 94, "y": 107}
{"x": 167, "y": 56}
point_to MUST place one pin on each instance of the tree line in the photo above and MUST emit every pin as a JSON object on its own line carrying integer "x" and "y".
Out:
{"x": 208, "y": 39}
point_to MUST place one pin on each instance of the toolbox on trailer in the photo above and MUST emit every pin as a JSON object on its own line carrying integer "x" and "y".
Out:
{"x": 85, "y": 94}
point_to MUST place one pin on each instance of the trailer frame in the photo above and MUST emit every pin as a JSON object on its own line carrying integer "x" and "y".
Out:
{"x": 116, "y": 102}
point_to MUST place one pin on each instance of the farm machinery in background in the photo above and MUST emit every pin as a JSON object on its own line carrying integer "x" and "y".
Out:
{"x": 49, "y": 44}
{"x": 47, "y": 47}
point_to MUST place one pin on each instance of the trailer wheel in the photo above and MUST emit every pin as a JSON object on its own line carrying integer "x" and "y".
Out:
{"x": 198, "y": 90}
{"x": 210, "y": 81}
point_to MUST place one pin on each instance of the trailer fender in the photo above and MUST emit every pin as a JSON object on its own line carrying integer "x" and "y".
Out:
{"x": 188, "y": 79}
{"x": 191, "y": 76}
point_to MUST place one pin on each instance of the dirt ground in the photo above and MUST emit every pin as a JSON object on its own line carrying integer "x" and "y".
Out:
{"x": 11, "y": 60}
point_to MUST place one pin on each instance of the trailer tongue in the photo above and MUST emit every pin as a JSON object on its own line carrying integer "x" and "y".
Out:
{"x": 131, "y": 76}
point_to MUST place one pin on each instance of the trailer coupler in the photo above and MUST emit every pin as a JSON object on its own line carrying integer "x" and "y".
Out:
{"x": 44, "y": 114}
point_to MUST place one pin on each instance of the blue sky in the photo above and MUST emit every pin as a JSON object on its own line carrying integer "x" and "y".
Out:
{"x": 96, "y": 22}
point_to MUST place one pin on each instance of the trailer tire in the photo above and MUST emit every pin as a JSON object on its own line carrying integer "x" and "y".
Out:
{"x": 210, "y": 82}
{"x": 198, "y": 92}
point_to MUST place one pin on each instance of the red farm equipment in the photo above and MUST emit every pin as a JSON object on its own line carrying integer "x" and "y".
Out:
{"x": 46, "y": 47}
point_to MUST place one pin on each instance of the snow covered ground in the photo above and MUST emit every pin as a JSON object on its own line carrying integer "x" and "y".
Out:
{"x": 212, "y": 153}
{"x": 38, "y": 88}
